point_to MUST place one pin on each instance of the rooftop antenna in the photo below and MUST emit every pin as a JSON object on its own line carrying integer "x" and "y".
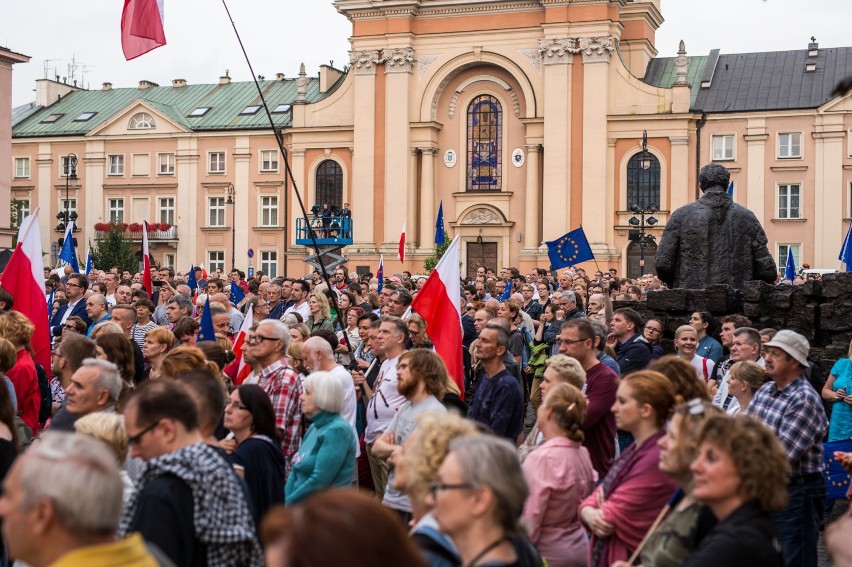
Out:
{"x": 47, "y": 67}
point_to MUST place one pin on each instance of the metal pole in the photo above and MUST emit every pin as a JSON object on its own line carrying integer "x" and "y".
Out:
{"x": 642, "y": 244}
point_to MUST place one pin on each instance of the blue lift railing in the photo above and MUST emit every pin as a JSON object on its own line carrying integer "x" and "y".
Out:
{"x": 329, "y": 231}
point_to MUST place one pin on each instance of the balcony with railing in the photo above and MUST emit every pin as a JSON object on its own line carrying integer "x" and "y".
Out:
{"x": 157, "y": 232}
{"x": 328, "y": 231}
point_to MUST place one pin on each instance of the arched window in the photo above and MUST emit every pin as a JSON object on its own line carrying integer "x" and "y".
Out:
{"x": 484, "y": 144}
{"x": 329, "y": 183}
{"x": 643, "y": 185}
{"x": 142, "y": 121}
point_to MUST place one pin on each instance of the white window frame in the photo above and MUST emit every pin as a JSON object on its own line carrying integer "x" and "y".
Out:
{"x": 216, "y": 211}
{"x": 24, "y": 208}
{"x": 782, "y": 257}
{"x": 166, "y": 210}
{"x": 72, "y": 205}
{"x": 141, "y": 121}
{"x": 789, "y": 146}
{"x": 63, "y": 167}
{"x": 217, "y": 168}
{"x": 169, "y": 260}
{"x": 115, "y": 209}
{"x": 269, "y": 263}
{"x": 215, "y": 259}
{"x": 166, "y": 164}
{"x": 268, "y": 210}
{"x": 786, "y": 194}
{"x": 269, "y": 161}
{"x": 728, "y": 149}
{"x": 115, "y": 165}
{"x": 22, "y": 169}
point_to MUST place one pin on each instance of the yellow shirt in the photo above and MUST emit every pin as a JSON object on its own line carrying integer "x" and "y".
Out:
{"x": 130, "y": 552}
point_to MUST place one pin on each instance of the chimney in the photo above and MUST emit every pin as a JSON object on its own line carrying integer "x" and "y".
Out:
{"x": 106, "y": 87}
{"x": 813, "y": 47}
{"x": 143, "y": 84}
{"x": 48, "y": 92}
{"x": 279, "y": 76}
{"x": 178, "y": 83}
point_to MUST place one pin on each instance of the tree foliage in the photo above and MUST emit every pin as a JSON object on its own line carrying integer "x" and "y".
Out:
{"x": 116, "y": 249}
{"x": 431, "y": 261}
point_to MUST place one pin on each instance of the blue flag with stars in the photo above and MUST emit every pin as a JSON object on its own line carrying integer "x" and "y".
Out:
{"x": 89, "y": 262}
{"x": 507, "y": 292}
{"x": 790, "y": 268}
{"x": 237, "y": 294}
{"x": 190, "y": 279}
{"x": 68, "y": 254}
{"x": 836, "y": 477}
{"x": 206, "y": 332}
{"x": 439, "y": 225}
{"x": 380, "y": 274}
{"x": 846, "y": 250}
{"x": 569, "y": 250}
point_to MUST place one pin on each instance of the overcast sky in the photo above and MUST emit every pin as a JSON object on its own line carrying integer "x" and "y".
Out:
{"x": 280, "y": 34}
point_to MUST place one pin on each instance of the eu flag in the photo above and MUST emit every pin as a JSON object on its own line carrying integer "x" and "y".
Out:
{"x": 731, "y": 190}
{"x": 206, "y": 332}
{"x": 507, "y": 292}
{"x": 439, "y": 225}
{"x": 790, "y": 268}
{"x": 846, "y": 250}
{"x": 68, "y": 254}
{"x": 190, "y": 279}
{"x": 570, "y": 249}
{"x": 90, "y": 263}
{"x": 237, "y": 294}
{"x": 380, "y": 274}
{"x": 836, "y": 477}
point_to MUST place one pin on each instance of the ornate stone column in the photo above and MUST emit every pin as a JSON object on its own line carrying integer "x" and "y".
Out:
{"x": 557, "y": 57}
{"x": 363, "y": 64}
{"x": 596, "y": 52}
{"x": 399, "y": 62}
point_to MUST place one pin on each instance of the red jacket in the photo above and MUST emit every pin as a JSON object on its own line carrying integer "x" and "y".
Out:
{"x": 24, "y": 378}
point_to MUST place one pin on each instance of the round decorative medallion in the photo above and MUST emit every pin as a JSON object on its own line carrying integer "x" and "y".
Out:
{"x": 450, "y": 158}
{"x": 518, "y": 157}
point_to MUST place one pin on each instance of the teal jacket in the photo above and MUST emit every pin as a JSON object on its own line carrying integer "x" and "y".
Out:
{"x": 326, "y": 458}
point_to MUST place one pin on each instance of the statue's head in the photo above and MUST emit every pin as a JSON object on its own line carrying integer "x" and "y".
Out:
{"x": 713, "y": 175}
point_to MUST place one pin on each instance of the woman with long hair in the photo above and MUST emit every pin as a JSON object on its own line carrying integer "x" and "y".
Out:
{"x": 560, "y": 475}
{"x": 157, "y": 344}
{"x": 348, "y": 337}
{"x": 625, "y": 504}
{"x": 18, "y": 330}
{"x": 258, "y": 459}
{"x": 10, "y": 442}
{"x": 745, "y": 379}
{"x": 320, "y": 317}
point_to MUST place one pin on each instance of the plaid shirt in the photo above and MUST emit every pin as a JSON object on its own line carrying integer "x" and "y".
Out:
{"x": 282, "y": 385}
{"x": 797, "y": 417}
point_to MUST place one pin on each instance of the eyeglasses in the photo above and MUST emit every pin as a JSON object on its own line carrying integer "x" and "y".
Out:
{"x": 436, "y": 487}
{"x": 134, "y": 440}
{"x": 570, "y": 342}
{"x": 653, "y": 330}
{"x": 258, "y": 339}
{"x": 71, "y": 284}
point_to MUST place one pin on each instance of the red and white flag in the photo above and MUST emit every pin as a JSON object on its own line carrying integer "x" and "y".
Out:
{"x": 438, "y": 302}
{"x": 146, "y": 262}
{"x": 243, "y": 368}
{"x": 24, "y": 279}
{"x": 141, "y": 27}
{"x": 401, "y": 252}
{"x": 204, "y": 274}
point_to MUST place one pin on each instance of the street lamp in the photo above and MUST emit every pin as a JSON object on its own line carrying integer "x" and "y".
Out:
{"x": 70, "y": 181}
{"x": 231, "y": 194}
{"x": 645, "y": 159}
{"x": 640, "y": 235}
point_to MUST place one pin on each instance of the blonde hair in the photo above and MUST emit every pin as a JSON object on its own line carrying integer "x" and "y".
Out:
{"x": 324, "y": 308}
{"x": 569, "y": 409}
{"x": 106, "y": 427}
{"x": 749, "y": 373}
{"x": 430, "y": 447}
{"x": 162, "y": 336}
{"x": 16, "y": 328}
{"x": 184, "y": 359}
{"x": 684, "y": 328}
{"x": 568, "y": 370}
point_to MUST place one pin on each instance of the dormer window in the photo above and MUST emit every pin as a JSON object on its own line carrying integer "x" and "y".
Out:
{"x": 250, "y": 110}
{"x": 200, "y": 111}
{"x": 142, "y": 121}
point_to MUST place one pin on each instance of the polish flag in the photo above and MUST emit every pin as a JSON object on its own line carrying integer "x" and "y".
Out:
{"x": 438, "y": 302}
{"x": 24, "y": 279}
{"x": 243, "y": 369}
{"x": 204, "y": 274}
{"x": 146, "y": 262}
{"x": 141, "y": 27}
{"x": 401, "y": 253}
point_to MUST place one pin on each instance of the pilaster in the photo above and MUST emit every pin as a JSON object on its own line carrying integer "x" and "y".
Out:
{"x": 679, "y": 189}
{"x": 532, "y": 206}
{"x": 364, "y": 64}
{"x": 187, "y": 200}
{"x": 243, "y": 193}
{"x": 828, "y": 198}
{"x": 755, "y": 139}
{"x": 398, "y": 64}
{"x": 427, "y": 199}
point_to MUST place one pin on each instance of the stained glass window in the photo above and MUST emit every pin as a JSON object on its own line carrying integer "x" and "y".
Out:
{"x": 643, "y": 185}
{"x": 329, "y": 184}
{"x": 484, "y": 144}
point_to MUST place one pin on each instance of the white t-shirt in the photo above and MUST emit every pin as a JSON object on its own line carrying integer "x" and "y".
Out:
{"x": 304, "y": 310}
{"x": 704, "y": 367}
{"x": 385, "y": 401}
{"x": 350, "y": 405}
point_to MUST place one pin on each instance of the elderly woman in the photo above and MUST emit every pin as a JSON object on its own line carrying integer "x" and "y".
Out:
{"x": 686, "y": 343}
{"x": 560, "y": 475}
{"x": 157, "y": 344}
{"x": 625, "y": 504}
{"x": 258, "y": 459}
{"x": 326, "y": 457}
{"x": 109, "y": 428}
{"x": 417, "y": 332}
{"x": 477, "y": 500}
{"x": 838, "y": 392}
{"x": 741, "y": 475}
{"x": 320, "y": 317}
{"x": 18, "y": 330}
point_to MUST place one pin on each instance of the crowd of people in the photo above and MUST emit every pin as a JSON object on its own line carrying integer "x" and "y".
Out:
{"x": 325, "y": 429}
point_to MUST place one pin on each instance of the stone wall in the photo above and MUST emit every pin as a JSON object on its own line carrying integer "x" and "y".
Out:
{"x": 820, "y": 310}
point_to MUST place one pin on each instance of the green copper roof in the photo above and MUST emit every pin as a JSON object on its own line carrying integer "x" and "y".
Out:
{"x": 225, "y": 102}
{"x": 662, "y": 72}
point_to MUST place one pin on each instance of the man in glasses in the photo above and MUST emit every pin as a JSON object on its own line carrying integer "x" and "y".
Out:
{"x": 265, "y": 349}
{"x": 75, "y": 291}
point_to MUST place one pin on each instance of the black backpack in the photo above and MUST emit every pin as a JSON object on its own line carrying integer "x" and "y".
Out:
{"x": 45, "y": 408}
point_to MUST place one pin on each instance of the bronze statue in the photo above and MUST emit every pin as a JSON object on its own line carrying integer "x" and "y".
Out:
{"x": 714, "y": 240}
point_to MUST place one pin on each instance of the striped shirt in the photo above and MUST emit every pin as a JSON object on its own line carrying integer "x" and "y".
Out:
{"x": 796, "y": 415}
